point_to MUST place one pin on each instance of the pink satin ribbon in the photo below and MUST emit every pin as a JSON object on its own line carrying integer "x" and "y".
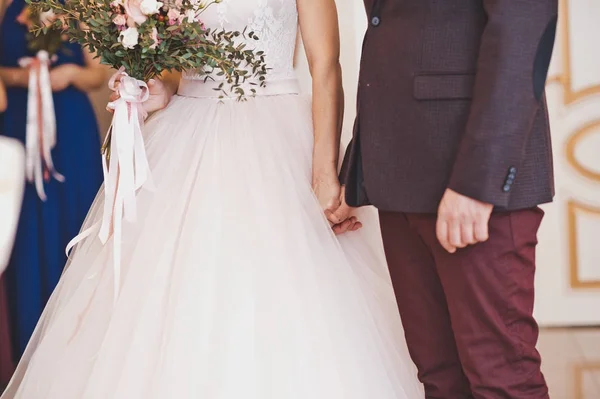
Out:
{"x": 40, "y": 136}
{"x": 126, "y": 171}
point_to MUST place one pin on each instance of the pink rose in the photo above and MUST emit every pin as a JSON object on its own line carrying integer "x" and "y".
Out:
{"x": 154, "y": 37}
{"x": 173, "y": 16}
{"x": 134, "y": 12}
{"x": 120, "y": 20}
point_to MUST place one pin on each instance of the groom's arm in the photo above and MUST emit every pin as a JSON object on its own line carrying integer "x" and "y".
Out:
{"x": 515, "y": 53}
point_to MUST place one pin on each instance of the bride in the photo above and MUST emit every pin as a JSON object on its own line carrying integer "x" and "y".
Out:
{"x": 233, "y": 283}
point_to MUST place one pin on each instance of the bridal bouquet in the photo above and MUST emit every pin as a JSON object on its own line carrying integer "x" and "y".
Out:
{"x": 41, "y": 120}
{"x": 143, "y": 38}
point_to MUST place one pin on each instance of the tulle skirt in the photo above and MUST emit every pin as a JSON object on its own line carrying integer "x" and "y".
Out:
{"x": 233, "y": 284}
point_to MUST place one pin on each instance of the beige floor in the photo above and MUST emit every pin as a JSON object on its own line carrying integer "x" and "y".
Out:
{"x": 571, "y": 362}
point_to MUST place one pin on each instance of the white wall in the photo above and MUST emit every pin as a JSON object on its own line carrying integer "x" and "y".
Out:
{"x": 568, "y": 283}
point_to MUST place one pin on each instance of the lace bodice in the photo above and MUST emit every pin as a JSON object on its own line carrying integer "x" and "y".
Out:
{"x": 275, "y": 22}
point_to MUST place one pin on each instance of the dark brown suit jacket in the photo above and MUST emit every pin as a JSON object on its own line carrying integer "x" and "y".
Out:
{"x": 451, "y": 95}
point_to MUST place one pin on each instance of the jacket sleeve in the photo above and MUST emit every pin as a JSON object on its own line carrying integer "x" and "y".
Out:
{"x": 515, "y": 52}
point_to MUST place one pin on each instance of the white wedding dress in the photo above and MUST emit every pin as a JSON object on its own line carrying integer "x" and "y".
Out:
{"x": 233, "y": 285}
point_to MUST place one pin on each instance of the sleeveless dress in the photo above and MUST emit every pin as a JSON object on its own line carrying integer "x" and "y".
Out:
{"x": 45, "y": 228}
{"x": 232, "y": 282}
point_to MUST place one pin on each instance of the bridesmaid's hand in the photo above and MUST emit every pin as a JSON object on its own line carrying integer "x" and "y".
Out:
{"x": 62, "y": 76}
{"x": 3, "y": 102}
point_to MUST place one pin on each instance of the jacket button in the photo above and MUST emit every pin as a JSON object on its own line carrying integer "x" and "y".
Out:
{"x": 512, "y": 170}
{"x": 375, "y": 21}
{"x": 506, "y": 188}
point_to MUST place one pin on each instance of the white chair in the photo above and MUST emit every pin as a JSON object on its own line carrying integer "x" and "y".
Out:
{"x": 12, "y": 183}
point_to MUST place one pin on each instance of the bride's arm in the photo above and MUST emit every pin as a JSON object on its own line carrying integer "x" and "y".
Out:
{"x": 320, "y": 34}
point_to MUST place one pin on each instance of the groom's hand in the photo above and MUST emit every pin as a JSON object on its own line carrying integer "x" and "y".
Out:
{"x": 461, "y": 221}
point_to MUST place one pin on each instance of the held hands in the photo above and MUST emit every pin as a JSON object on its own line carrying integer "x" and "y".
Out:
{"x": 330, "y": 194}
{"x": 350, "y": 223}
{"x": 462, "y": 221}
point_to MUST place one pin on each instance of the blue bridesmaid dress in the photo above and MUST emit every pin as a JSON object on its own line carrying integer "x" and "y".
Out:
{"x": 45, "y": 228}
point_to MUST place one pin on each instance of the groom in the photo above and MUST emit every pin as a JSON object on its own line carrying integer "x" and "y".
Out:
{"x": 452, "y": 144}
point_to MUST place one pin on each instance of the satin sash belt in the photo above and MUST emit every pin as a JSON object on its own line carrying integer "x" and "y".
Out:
{"x": 201, "y": 89}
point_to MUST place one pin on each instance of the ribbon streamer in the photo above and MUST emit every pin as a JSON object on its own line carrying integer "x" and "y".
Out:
{"x": 125, "y": 171}
{"x": 40, "y": 136}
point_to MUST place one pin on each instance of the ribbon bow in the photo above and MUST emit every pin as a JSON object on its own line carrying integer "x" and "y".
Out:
{"x": 126, "y": 170}
{"x": 40, "y": 136}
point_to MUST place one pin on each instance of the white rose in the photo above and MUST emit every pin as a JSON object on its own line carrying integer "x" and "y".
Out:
{"x": 129, "y": 38}
{"x": 190, "y": 15}
{"x": 47, "y": 17}
{"x": 150, "y": 7}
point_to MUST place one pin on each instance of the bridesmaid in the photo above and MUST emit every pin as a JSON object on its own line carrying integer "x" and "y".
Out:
{"x": 45, "y": 228}
{"x": 6, "y": 363}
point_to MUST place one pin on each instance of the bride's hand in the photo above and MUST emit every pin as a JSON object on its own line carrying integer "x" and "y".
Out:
{"x": 159, "y": 96}
{"x": 351, "y": 223}
{"x": 330, "y": 194}
{"x": 326, "y": 187}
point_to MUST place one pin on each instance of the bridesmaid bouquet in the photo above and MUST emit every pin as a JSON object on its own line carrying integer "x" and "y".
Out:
{"x": 143, "y": 38}
{"x": 41, "y": 120}
{"x": 51, "y": 36}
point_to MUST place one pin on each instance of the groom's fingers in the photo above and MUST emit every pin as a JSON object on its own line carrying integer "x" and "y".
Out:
{"x": 443, "y": 236}
{"x": 480, "y": 230}
{"x": 350, "y": 224}
{"x": 342, "y": 227}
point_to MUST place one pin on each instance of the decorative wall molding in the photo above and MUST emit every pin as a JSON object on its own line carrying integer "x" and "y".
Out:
{"x": 574, "y": 140}
{"x": 576, "y": 210}
{"x": 570, "y": 95}
{"x": 579, "y": 371}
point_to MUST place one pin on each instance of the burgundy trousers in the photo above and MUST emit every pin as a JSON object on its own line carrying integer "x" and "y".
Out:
{"x": 468, "y": 316}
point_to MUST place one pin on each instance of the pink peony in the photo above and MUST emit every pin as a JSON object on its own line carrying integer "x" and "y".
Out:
{"x": 120, "y": 20}
{"x": 24, "y": 18}
{"x": 154, "y": 37}
{"x": 134, "y": 12}
{"x": 173, "y": 16}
